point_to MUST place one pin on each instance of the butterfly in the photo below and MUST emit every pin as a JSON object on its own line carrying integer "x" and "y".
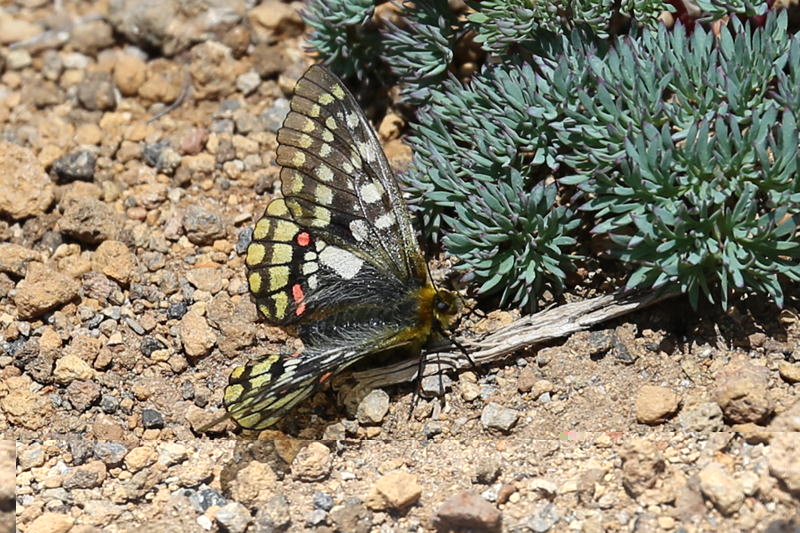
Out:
{"x": 335, "y": 257}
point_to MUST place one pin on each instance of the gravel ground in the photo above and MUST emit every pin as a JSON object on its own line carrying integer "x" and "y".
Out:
{"x": 123, "y": 309}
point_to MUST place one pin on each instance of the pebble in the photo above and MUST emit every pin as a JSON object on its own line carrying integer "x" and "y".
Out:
{"x": 206, "y": 279}
{"x": 129, "y": 74}
{"x": 654, "y": 404}
{"x": 789, "y": 371}
{"x": 14, "y": 29}
{"x": 25, "y": 188}
{"x": 90, "y": 221}
{"x": 487, "y": 469}
{"x": 352, "y": 516}
{"x": 109, "y": 403}
{"x": 396, "y": 490}
{"x": 316, "y": 517}
{"x": 373, "y": 408}
{"x": 176, "y": 311}
{"x": 642, "y": 464}
{"x": 323, "y": 501}
{"x": 197, "y": 336}
{"x": 152, "y": 419}
{"x": 527, "y": 377}
{"x": 702, "y": 418}
{"x": 113, "y": 259}
{"x": 274, "y": 515}
{"x": 111, "y": 453}
{"x": 14, "y": 259}
{"x": 96, "y": 92}
{"x": 30, "y": 457}
{"x": 254, "y": 484}
{"x": 75, "y": 166}
{"x": 205, "y": 497}
{"x": 24, "y": 407}
{"x": 719, "y": 486}
{"x": 248, "y": 82}
{"x": 202, "y": 226}
{"x": 150, "y": 345}
{"x": 71, "y": 367}
{"x": 87, "y": 476}
{"x": 312, "y": 463}
{"x": 83, "y": 394}
{"x": 273, "y": 20}
{"x": 742, "y": 392}
{"x": 274, "y": 116}
{"x": 18, "y": 59}
{"x": 139, "y": 458}
{"x": 51, "y": 523}
{"x": 210, "y": 66}
{"x": 495, "y": 416}
{"x": 435, "y": 385}
{"x": 467, "y": 510}
{"x": 91, "y": 36}
{"x": 783, "y": 454}
{"x": 234, "y": 517}
{"x": 164, "y": 81}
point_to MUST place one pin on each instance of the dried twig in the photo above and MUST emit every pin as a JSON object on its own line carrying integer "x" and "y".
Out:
{"x": 549, "y": 324}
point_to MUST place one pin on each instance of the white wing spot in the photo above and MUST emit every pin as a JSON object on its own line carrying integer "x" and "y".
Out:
{"x": 385, "y": 221}
{"x": 324, "y": 194}
{"x": 331, "y": 123}
{"x": 370, "y": 193}
{"x": 325, "y": 150}
{"x": 309, "y": 256}
{"x": 367, "y": 152}
{"x": 359, "y": 229}
{"x": 352, "y": 120}
{"x": 310, "y": 267}
{"x": 345, "y": 264}
{"x": 324, "y": 173}
{"x": 312, "y": 281}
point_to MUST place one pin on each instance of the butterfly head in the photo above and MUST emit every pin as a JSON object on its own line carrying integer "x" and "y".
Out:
{"x": 445, "y": 307}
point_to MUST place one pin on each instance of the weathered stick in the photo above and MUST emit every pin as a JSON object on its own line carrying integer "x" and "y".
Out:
{"x": 550, "y": 324}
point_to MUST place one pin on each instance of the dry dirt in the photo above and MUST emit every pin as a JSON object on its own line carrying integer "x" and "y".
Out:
{"x": 123, "y": 309}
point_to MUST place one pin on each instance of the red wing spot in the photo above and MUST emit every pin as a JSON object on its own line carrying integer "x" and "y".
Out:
{"x": 325, "y": 377}
{"x": 297, "y": 293}
{"x": 303, "y": 239}
{"x": 295, "y": 354}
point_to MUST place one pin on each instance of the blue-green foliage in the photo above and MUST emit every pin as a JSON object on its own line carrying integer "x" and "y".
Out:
{"x": 698, "y": 185}
{"x": 344, "y": 36}
{"x": 680, "y": 149}
{"x": 502, "y": 24}
{"x": 512, "y": 237}
{"x": 423, "y": 49}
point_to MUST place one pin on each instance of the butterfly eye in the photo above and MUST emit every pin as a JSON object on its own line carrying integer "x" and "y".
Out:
{"x": 441, "y": 305}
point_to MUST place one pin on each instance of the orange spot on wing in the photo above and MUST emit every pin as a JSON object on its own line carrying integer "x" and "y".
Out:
{"x": 303, "y": 239}
{"x": 297, "y": 293}
{"x": 325, "y": 377}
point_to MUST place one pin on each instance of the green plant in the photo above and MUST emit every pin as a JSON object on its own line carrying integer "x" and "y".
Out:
{"x": 678, "y": 144}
